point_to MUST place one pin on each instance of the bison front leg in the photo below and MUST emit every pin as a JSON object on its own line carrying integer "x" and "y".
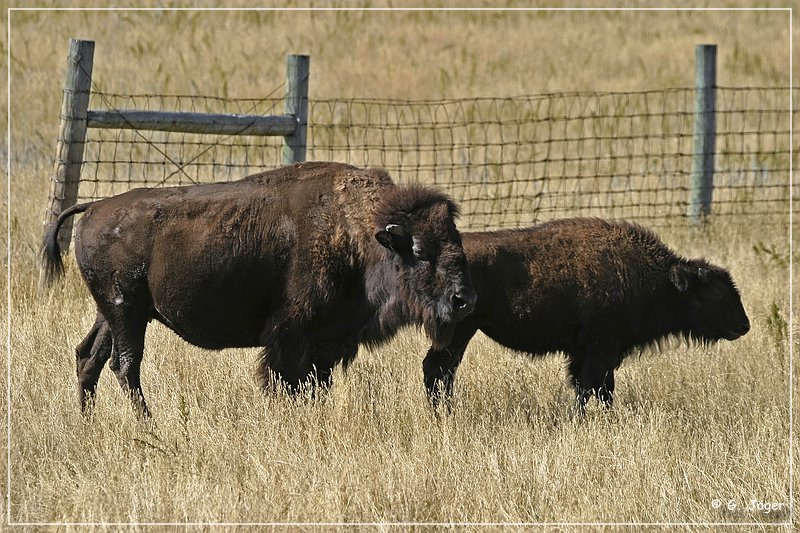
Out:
{"x": 90, "y": 357}
{"x": 311, "y": 367}
{"x": 591, "y": 376}
{"x": 295, "y": 378}
{"x": 605, "y": 393}
{"x": 582, "y": 392}
{"x": 285, "y": 362}
{"x": 322, "y": 356}
{"x": 440, "y": 365}
{"x": 327, "y": 354}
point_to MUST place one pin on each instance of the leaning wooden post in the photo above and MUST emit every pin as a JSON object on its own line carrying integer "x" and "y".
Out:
{"x": 296, "y": 104}
{"x": 705, "y": 128}
{"x": 71, "y": 134}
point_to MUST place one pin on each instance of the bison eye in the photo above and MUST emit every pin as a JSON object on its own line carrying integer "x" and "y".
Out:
{"x": 418, "y": 249}
{"x": 717, "y": 292}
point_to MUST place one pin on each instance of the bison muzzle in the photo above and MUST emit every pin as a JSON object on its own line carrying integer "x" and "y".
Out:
{"x": 306, "y": 261}
{"x": 592, "y": 289}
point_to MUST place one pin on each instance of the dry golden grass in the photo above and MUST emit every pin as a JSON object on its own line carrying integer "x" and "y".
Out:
{"x": 691, "y": 424}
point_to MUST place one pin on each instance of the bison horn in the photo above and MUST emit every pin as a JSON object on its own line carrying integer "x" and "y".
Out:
{"x": 396, "y": 229}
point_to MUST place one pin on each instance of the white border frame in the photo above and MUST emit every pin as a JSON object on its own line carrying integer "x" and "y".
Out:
{"x": 10, "y": 523}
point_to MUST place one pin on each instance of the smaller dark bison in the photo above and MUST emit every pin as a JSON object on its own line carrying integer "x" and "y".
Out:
{"x": 593, "y": 289}
{"x": 306, "y": 261}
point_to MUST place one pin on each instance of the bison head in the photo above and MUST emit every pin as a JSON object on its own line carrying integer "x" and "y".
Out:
{"x": 426, "y": 267}
{"x": 713, "y": 307}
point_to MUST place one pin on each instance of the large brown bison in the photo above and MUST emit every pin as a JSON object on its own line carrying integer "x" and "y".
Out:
{"x": 306, "y": 261}
{"x": 592, "y": 289}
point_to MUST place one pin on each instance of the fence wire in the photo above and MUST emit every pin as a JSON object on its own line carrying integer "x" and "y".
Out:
{"x": 508, "y": 161}
{"x": 118, "y": 160}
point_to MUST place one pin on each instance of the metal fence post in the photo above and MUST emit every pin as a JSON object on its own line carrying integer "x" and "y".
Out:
{"x": 705, "y": 127}
{"x": 71, "y": 134}
{"x": 296, "y": 104}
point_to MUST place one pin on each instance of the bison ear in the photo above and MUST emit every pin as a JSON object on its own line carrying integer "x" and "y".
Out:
{"x": 679, "y": 277}
{"x": 396, "y": 229}
{"x": 385, "y": 238}
{"x": 392, "y": 237}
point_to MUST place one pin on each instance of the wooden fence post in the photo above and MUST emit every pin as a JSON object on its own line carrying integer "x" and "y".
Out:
{"x": 296, "y": 104}
{"x": 71, "y": 135}
{"x": 705, "y": 127}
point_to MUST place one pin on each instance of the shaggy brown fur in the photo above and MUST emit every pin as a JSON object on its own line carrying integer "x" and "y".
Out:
{"x": 593, "y": 289}
{"x": 306, "y": 261}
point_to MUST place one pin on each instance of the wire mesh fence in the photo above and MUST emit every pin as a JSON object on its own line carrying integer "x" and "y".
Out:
{"x": 116, "y": 160}
{"x": 508, "y": 161}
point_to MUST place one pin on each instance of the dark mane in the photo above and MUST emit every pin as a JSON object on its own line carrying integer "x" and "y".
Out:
{"x": 409, "y": 198}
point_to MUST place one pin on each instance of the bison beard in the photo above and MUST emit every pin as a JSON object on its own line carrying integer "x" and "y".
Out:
{"x": 436, "y": 322}
{"x": 592, "y": 289}
{"x": 439, "y": 331}
{"x": 306, "y": 261}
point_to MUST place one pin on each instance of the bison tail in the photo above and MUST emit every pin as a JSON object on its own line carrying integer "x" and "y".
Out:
{"x": 52, "y": 265}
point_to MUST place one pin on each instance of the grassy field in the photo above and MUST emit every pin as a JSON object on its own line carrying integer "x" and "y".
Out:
{"x": 691, "y": 425}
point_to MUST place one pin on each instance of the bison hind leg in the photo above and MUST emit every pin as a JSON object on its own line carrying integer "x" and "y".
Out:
{"x": 128, "y": 330}
{"x": 90, "y": 357}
